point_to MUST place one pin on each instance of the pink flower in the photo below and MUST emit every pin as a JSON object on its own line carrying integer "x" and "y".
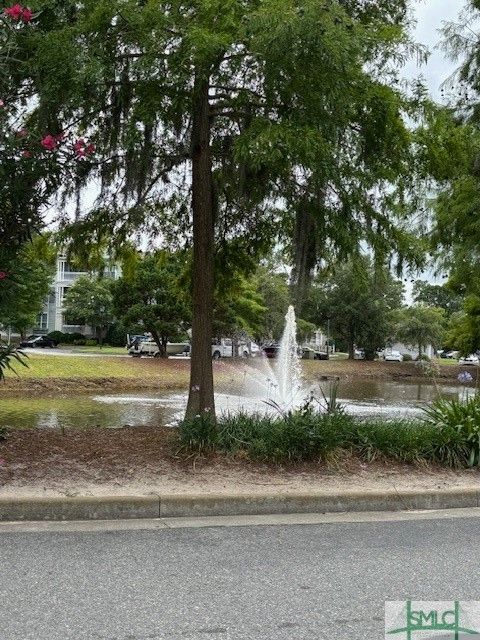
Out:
{"x": 27, "y": 15}
{"x": 22, "y": 133}
{"x": 2, "y": 103}
{"x": 49, "y": 143}
{"x": 26, "y": 153}
{"x": 90, "y": 149}
{"x": 79, "y": 145}
{"x": 60, "y": 136}
{"x": 3, "y": 275}
{"x": 15, "y": 12}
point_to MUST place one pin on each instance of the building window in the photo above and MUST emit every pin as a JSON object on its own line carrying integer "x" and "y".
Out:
{"x": 42, "y": 321}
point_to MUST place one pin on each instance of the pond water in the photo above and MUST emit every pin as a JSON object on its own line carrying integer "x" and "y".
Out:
{"x": 361, "y": 398}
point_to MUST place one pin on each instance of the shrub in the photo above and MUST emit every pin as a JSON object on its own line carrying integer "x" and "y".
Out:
{"x": 58, "y": 336}
{"x": 65, "y": 338}
{"x": 296, "y": 436}
{"x": 80, "y": 342}
{"x": 449, "y": 434}
{"x": 91, "y": 343}
{"x": 199, "y": 433}
{"x": 457, "y": 426}
{"x": 407, "y": 357}
{"x": 402, "y": 440}
{"x": 422, "y": 358}
{"x": 117, "y": 334}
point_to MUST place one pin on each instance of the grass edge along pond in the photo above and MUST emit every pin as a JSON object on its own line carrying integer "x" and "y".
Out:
{"x": 448, "y": 434}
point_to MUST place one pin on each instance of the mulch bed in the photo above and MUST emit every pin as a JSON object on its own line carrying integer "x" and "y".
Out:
{"x": 101, "y": 454}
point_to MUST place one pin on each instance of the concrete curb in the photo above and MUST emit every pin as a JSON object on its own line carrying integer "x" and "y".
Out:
{"x": 191, "y": 505}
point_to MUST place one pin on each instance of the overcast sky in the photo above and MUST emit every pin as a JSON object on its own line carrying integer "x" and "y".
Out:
{"x": 430, "y": 16}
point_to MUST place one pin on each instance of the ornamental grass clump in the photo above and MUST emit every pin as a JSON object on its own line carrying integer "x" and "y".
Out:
{"x": 294, "y": 436}
{"x": 457, "y": 425}
{"x": 401, "y": 440}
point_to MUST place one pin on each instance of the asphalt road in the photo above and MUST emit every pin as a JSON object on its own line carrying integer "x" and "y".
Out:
{"x": 296, "y": 582}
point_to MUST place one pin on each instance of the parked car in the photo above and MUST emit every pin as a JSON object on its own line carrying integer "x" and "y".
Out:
{"x": 472, "y": 360}
{"x": 33, "y": 342}
{"x": 271, "y": 350}
{"x": 359, "y": 354}
{"x": 393, "y": 356}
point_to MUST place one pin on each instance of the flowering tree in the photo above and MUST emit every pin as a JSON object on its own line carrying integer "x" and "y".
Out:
{"x": 34, "y": 162}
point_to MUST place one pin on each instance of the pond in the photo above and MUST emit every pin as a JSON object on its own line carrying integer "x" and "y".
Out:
{"x": 361, "y": 398}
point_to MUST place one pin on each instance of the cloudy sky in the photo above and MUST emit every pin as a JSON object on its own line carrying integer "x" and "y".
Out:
{"x": 430, "y": 16}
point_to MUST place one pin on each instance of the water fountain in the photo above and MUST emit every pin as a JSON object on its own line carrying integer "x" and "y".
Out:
{"x": 278, "y": 383}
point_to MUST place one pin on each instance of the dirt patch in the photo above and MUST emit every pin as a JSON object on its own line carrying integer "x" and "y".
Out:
{"x": 381, "y": 370}
{"x": 142, "y": 461}
{"x": 54, "y": 386}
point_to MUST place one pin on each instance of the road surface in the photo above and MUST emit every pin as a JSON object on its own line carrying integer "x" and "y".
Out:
{"x": 146, "y": 581}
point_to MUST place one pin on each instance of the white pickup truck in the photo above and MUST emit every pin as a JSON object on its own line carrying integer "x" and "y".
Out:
{"x": 223, "y": 348}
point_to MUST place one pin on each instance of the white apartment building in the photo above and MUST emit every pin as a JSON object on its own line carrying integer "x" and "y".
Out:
{"x": 52, "y": 317}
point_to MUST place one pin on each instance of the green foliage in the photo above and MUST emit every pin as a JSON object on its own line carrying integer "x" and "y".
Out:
{"x": 420, "y": 326}
{"x": 274, "y": 289}
{"x": 307, "y": 435}
{"x": 301, "y": 107}
{"x": 458, "y": 430}
{"x": 464, "y": 328}
{"x": 89, "y": 301}
{"x": 117, "y": 334}
{"x": 358, "y": 299}
{"x": 293, "y": 437}
{"x": 402, "y": 440}
{"x": 449, "y": 434}
{"x": 199, "y": 433}
{"x": 239, "y": 308}
{"x": 28, "y": 282}
{"x": 65, "y": 338}
{"x": 407, "y": 357}
{"x": 438, "y": 296}
{"x": 9, "y": 356}
{"x": 152, "y": 295}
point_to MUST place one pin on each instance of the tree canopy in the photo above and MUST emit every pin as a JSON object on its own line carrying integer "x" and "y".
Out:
{"x": 357, "y": 300}
{"x": 26, "y": 284}
{"x": 89, "y": 301}
{"x": 420, "y": 326}
{"x": 227, "y": 124}
{"x": 151, "y": 295}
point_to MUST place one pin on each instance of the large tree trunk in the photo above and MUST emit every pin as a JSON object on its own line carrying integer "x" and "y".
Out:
{"x": 351, "y": 346}
{"x": 159, "y": 342}
{"x": 201, "y": 398}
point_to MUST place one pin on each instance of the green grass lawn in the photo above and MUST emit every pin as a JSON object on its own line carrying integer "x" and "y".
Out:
{"x": 446, "y": 362}
{"x": 107, "y": 350}
{"x": 42, "y": 366}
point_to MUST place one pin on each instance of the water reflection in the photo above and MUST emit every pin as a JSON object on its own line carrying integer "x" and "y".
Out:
{"x": 362, "y": 398}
